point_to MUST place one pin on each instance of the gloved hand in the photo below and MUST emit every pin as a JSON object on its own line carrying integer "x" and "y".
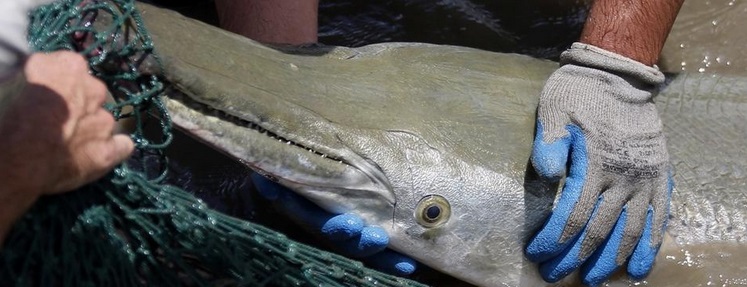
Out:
{"x": 596, "y": 111}
{"x": 348, "y": 233}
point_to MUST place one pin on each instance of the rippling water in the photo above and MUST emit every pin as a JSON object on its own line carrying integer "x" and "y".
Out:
{"x": 539, "y": 28}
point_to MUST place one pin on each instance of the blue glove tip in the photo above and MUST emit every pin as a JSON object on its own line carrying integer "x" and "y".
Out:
{"x": 405, "y": 268}
{"x": 550, "y": 159}
{"x": 544, "y": 245}
{"x": 551, "y": 275}
{"x": 393, "y": 263}
{"x": 343, "y": 227}
{"x": 562, "y": 265}
{"x": 549, "y": 166}
{"x": 596, "y": 277}
{"x": 644, "y": 254}
{"x": 639, "y": 269}
{"x": 372, "y": 240}
{"x": 373, "y": 237}
{"x": 538, "y": 252}
{"x": 598, "y": 268}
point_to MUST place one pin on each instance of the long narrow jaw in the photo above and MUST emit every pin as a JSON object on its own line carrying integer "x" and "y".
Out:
{"x": 331, "y": 178}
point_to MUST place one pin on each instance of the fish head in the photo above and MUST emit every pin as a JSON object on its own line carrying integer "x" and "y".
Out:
{"x": 437, "y": 205}
{"x": 455, "y": 214}
{"x": 429, "y": 143}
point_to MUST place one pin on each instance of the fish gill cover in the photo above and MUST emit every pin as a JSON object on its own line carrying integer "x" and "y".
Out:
{"x": 129, "y": 228}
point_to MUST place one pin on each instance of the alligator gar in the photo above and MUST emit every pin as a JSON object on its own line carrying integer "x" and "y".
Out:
{"x": 389, "y": 130}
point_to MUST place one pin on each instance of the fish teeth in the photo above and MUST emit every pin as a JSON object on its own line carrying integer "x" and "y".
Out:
{"x": 220, "y": 116}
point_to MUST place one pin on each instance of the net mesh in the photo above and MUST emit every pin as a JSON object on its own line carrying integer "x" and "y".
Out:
{"x": 130, "y": 228}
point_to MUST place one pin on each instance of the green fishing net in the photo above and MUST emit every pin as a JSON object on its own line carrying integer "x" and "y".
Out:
{"x": 130, "y": 228}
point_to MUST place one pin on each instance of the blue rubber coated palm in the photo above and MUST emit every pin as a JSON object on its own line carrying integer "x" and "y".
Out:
{"x": 557, "y": 258}
{"x": 347, "y": 232}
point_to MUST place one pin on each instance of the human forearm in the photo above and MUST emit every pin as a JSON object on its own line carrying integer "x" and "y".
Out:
{"x": 636, "y": 29}
{"x": 271, "y": 21}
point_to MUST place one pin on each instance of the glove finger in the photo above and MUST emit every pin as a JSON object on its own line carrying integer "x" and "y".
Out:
{"x": 549, "y": 159}
{"x": 308, "y": 214}
{"x": 573, "y": 209}
{"x": 599, "y": 267}
{"x": 619, "y": 244}
{"x": 266, "y": 188}
{"x": 372, "y": 239}
{"x": 343, "y": 227}
{"x": 660, "y": 205}
{"x": 392, "y": 262}
{"x": 608, "y": 211}
{"x": 564, "y": 263}
{"x": 346, "y": 230}
{"x": 642, "y": 260}
{"x": 643, "y": 257}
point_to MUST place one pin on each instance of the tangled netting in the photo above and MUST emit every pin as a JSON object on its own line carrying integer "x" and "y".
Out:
{"x": 129, "y": 228}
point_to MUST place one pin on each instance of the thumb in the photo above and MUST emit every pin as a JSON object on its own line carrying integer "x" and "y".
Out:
{"x": 550, "y": 159}
{"x": 95, "y": 159}
{"x": 121, "y": 148}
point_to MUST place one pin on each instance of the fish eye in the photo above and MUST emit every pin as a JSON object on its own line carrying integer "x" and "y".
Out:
{"x": 432, "y": 211}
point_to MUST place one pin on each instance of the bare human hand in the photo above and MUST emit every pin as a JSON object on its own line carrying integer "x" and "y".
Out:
{"x": 56, "y": 136}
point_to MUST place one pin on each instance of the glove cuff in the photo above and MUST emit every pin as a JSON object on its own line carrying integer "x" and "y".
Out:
{"x": 594, "y": 57}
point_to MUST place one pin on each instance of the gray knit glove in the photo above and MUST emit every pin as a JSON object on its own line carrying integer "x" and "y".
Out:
{"x": 596, "y": 117}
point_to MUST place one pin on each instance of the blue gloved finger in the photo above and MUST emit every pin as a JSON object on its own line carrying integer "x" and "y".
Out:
{"x": 574, "y": 204}
{"x": 549, "y": 159}
{"x": 645, "y": 252}
{"x": 334, "y": 227}
{"x": 566, "y": 261}
{"x": 343, "y": 227}
{"x": 608, "y": 212}
{"x": 347, "y": 231}
{"x": 372, "y": 239}
{"x": 619, "y": 245}
{"x": 266, "y": 188}
{"x": 392, "y": 262}
{"x": 604, "y": 262}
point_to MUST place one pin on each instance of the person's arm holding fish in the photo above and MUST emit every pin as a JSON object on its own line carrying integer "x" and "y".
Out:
{"x": 55, "y": 134}
{"x": 597, "y": 121}
{"x": 289, "y": 22}
{"x": 292, "y": 22}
